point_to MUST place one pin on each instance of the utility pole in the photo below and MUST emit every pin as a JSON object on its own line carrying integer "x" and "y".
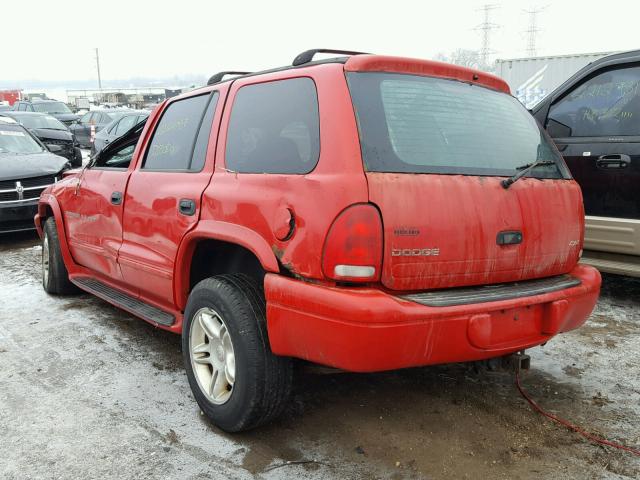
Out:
{"x": 485, "y": 28}
{"x": 532, "y": 30}
{"x": 98, "y": 67}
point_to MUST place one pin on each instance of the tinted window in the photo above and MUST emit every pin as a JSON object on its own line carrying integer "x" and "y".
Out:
{"x": 173, "y": 140}
{"x": 417, "y": 124}
{"x": 274, "y": 128}
{"x": 607, "y": 104}
{"x": 125, "y": 124}
{"x": 202, "y": 141}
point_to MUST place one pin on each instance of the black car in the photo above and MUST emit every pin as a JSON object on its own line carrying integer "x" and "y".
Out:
{"x": 26, "y": 169}
{"x": 51, "y": 132}
{"x": 594, "y": 118}
{"x": 54, "y": 108}
{"x": 93, "y": 122}
{"x": 117, "y": 128}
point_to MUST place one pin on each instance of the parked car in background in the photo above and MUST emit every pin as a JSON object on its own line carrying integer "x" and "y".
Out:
{"x": 50, "y": 131}
{"x": 594, "y": 119}
{"x": 56, "y": 109}
{"x": 93, "y": 122}
{"x": 422, "y": 218}
{"x": 116, "y": 129}
{"x": 26, "y": 169}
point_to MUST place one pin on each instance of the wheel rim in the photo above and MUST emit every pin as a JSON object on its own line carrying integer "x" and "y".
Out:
{"x": 45, "y": 259}
{"x": 212, "y": 357}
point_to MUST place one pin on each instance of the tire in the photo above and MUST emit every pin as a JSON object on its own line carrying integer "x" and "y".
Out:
{"x": 55, "y": 278}
{"x": 255, "y": 387}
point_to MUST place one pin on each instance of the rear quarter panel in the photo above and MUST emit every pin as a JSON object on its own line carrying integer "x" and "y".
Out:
{"x": 262, "y": 202}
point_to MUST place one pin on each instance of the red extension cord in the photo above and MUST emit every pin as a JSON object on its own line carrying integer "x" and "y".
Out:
{"x": 570, "y": 426}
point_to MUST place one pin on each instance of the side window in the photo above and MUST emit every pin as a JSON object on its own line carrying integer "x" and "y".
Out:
{"x": 125, "y": 124}
{"x": 202, "y": 140}
{"x": 607, "y": 104}
{"x": 21, "y": 107}
{"x": 85, "y": 118}
{"x": 173, "y": 139}
{"x": 121, "y": 158}
{"x": 274, "y": 128}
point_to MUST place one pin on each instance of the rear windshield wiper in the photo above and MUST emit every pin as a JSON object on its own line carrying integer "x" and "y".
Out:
{"x": 524, "y": 169}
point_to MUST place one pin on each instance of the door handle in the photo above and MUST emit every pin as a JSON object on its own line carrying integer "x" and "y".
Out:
{"x": 617, "y": 160}
{"x": 116, "y": 198}
{"x": 187, "y": 206}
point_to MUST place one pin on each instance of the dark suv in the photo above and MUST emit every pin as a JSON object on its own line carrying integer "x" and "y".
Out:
{"x": 56, "y": 109}
{"x": 366, "y": 213}
{"x": 26, "y": 169}
{"x": 594, "y": 119}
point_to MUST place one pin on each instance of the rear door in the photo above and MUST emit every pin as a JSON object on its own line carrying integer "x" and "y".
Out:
{"x": 596, "y": 126}
{"x": 163, "y": 195}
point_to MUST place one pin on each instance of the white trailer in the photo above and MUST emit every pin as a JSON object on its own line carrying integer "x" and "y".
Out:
{"x": 531, "y": 79}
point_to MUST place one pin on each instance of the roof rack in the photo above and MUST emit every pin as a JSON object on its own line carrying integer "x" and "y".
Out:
{"x": 307, "y": 56}
{"x": 217, "y": 78}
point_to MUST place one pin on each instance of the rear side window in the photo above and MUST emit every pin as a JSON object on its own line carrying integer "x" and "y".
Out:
{"x": 607, "y": 104}
{"x": 173, "y": 140}
{"x": 418, "y": 124}
{"x": 274, "y": 128}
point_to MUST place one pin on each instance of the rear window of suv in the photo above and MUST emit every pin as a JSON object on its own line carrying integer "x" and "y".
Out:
{"x": 274, "y": 128}
{"x": 416, "y": 124}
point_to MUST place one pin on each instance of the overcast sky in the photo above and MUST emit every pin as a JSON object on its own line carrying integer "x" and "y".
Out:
{"x": 55, "y": 38}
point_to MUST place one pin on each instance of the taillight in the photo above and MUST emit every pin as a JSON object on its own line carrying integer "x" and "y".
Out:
{"x": 353, "y": 247}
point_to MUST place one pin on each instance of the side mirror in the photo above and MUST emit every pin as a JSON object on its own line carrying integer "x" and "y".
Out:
{"x": 54, "y": 148}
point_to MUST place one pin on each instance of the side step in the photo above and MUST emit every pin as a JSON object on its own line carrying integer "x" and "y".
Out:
{"x": 127, "y": 302}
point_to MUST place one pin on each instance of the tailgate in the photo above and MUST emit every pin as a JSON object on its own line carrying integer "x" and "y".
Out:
{"x": 441, "y": 231}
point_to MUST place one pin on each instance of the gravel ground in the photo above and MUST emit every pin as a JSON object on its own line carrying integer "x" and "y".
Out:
{"x": 88, "y": 391}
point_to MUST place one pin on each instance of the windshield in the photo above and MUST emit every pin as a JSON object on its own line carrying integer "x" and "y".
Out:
{"x": 51, "y": 107}
{"x": 415, "y": 124}
{"x": 41, "y": 121}
{"x": 17, "y": 141}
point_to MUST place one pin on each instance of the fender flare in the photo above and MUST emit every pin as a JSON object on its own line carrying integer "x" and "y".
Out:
{"x": 223, "y": 231}
{"x": 52, "y": 202}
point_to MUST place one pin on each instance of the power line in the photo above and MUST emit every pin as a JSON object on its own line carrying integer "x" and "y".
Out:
{"x": 485, "y": 28}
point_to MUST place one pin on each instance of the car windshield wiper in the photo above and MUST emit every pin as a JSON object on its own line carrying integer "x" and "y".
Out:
{"x": 524, "y": 169}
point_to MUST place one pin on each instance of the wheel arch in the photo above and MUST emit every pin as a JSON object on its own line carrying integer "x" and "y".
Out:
{"x": 219, "y": 247}
{"x": 49, "y": 207}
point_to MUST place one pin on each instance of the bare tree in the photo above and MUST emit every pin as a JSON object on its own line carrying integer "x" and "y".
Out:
{"x": 466, "y": 58}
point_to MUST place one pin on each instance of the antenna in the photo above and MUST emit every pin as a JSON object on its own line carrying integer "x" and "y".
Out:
{"x": 532, "y": 30}
{"x": 485, "y": 28}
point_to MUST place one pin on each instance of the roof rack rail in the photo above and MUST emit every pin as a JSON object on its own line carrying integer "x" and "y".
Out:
{"x": 307, "y": 56}
{"x": 220, "y": 75}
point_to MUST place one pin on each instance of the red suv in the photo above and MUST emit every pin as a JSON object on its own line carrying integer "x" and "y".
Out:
{"x": 363, "y": 212}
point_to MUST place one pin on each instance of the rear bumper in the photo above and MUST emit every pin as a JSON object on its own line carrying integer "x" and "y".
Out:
{"x": 367, "y": 330}
{"x": 17, "y": 217}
